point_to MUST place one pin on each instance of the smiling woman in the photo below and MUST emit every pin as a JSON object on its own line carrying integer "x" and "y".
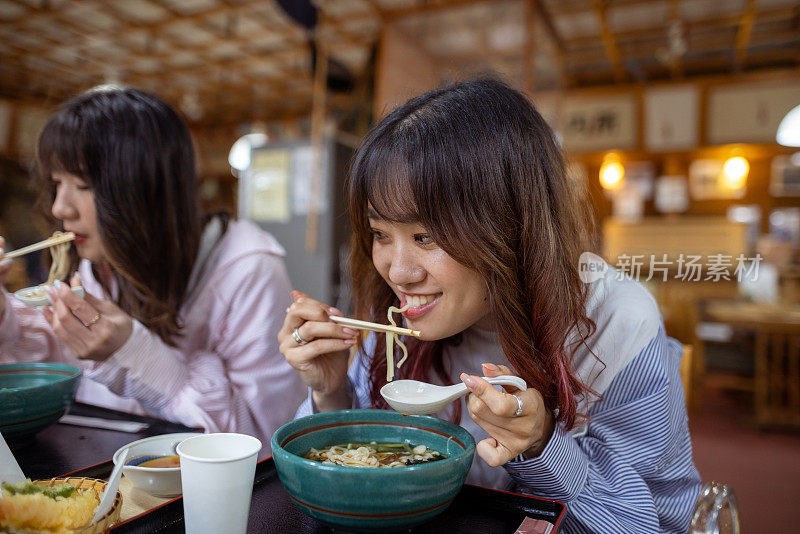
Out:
{"x": 463, "y": 214}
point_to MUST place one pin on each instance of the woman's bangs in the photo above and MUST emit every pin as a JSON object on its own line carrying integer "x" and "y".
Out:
{"x": 61, "y": 149}
{"x": 388, "y": 186}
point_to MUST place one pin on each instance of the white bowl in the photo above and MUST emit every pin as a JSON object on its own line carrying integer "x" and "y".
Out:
{"x": 37, "y": 301}
{"x": 158, "y": 481}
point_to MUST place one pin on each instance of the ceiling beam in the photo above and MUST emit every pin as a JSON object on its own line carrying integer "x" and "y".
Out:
{"x": 609, "y": 42}
{"x": 559, "y": 48}
{"x": 711, "y": 23}
{"x": 743, "y": 35}
{"x": 529, "y": 49}
{"x": 675, "y": 60}
{"x": 428, "y": 7}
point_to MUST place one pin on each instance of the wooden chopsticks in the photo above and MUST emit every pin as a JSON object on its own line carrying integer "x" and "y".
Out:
{"x": 375, "y": 327}
{"x": 47, "y": 243}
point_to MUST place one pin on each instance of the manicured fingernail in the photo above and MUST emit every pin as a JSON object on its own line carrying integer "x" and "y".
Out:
{"x": 468, "y": 380}
{"x": 7, "y": 261}
{"x": 57, "y": 284}
{"x": 490, "y": 366}
{"x": 349, "y": 341}
{"x": 334, "y": 311}
{"x": 349, "y": 331}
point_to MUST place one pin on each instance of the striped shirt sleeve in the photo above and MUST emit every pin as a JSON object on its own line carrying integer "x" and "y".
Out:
{"x": 357, "y": 388}
{"x": 632, "y": 470}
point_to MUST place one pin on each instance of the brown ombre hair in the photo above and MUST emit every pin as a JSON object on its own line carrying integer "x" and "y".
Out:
{"x": 478, "y": 167}
{"x": 134, "y": 152}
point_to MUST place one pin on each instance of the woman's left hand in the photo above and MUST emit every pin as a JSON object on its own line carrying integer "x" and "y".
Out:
{"x": 494, "y": 411}
{"x": 91, "y": 328}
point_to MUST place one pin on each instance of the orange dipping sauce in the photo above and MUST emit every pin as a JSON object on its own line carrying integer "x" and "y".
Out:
{"x": 163, "y": 462}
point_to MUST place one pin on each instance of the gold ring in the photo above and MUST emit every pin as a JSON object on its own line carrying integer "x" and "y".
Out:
{"x": 93, "y": 320}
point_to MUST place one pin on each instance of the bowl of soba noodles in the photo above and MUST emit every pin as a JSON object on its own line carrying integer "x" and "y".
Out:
{"x": 372, "y": 470}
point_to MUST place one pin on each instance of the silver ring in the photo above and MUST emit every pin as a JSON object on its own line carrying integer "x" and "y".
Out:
{"x": 299, "y": 340}
{"x": 519, "y": 406}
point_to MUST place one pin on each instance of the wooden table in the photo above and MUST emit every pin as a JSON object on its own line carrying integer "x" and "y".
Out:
{"x": 776, "y": 380}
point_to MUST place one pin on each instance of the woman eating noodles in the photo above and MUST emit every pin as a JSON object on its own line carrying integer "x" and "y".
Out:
{"x": 181, "y": 311}
{"x": 462, "y": 211}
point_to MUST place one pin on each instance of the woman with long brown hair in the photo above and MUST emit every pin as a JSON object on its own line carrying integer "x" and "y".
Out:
{"x": 180, "y": 309}
{"x": 463, "y": 211}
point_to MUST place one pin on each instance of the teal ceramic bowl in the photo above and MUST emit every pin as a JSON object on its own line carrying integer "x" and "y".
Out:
{"x": 371, "y": 499}
{"x": 34, "y": 396}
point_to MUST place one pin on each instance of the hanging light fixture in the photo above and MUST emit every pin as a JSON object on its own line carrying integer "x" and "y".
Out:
{"x": 239, "y": 156}
{"x": 612, "y": 172}
{"x": 734, "y": 172}
{"x": 789, "y": 129}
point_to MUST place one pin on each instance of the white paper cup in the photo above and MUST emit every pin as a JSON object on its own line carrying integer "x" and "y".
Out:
{"x": 217, "y": 472}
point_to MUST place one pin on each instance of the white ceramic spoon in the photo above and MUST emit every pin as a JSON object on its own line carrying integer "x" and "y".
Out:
{"x": 110, "y": 493}
{"x": 412, "y": 397}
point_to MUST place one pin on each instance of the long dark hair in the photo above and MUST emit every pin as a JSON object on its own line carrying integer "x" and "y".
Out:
{"x": 135, "y": 153}
{"x": 478, "y": 167}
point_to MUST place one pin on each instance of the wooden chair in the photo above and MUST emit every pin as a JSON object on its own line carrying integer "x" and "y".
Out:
{"x": 777, "y": 375}
{"x": 686, "y": 374}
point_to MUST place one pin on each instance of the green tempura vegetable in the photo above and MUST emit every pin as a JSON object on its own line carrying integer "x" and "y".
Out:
{"x": 29, "y": 488}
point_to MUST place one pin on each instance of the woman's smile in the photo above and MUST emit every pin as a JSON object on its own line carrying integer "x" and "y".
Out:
{"x": 420, "y": 304}
{"x": 445, "y": 297}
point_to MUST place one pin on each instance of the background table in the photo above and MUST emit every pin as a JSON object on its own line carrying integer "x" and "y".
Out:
{"x": 61, "y": 449}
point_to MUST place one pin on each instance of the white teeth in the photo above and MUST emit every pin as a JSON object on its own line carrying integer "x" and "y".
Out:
{"x": 419, "y": 300}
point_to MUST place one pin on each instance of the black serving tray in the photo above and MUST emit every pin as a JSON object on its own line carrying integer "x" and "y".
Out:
{"x": 475, "y": 510}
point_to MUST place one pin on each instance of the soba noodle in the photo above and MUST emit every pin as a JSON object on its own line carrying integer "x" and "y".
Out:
{"x": 374, "y": 454}
{"x": 59, "y": 267}
{"x": 391, "y": 339}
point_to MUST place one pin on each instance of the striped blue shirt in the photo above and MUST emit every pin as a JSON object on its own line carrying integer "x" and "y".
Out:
{"x": 630, "y": 469}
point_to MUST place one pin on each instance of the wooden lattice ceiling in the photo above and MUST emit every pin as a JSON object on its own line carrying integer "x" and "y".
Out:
{"x": 240, "y": 60}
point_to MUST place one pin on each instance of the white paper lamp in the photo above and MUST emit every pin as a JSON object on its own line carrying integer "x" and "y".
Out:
{"x": 789, "y": 129}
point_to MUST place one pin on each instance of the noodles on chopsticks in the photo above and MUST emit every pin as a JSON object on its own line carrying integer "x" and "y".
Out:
{"x": 391, "y": 339}
{"x": 59, "y": 268}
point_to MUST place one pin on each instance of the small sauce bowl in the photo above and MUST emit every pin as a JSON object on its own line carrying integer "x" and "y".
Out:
{"x": 157, "y": 481}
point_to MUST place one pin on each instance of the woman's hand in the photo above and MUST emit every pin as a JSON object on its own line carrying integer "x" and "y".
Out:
{"x": 91, "y": 328}
{"x": 5, "y": 268}
{"x": 321, "y": 360}
{"x": 494, "y": 411}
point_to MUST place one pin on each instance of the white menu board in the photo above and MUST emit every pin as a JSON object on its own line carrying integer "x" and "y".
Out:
{"x": 749, "y": 113}
{"x": 671, "y": 118}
